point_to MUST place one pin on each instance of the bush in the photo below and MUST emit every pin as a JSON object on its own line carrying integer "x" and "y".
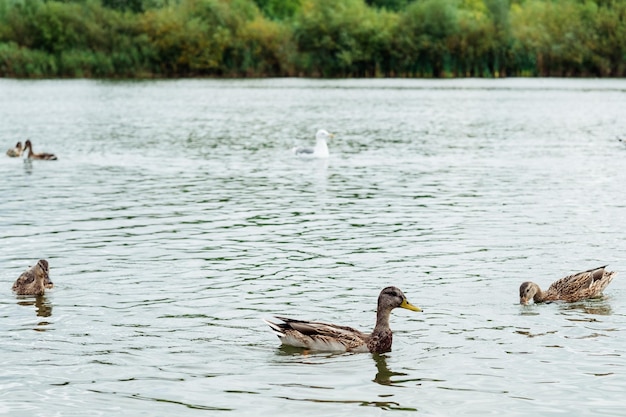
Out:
{"x": 321, "y": 38}
{"x": 16, "y": 61}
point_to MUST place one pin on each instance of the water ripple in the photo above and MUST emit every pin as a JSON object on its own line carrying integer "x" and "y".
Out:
{"x": 176, "y": 218}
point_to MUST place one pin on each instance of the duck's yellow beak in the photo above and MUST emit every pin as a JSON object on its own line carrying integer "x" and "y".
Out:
{"x": 409, "y": 306}
{"x": 331, "y": 135}
{"x": 524, "y": 301}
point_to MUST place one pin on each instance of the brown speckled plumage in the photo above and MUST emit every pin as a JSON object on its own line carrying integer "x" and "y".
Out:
{"x": 575, "y": 287}
{"x": 34, "y": 281}
{"x": 33, "y": 155}
{"x": 331, "y": 337}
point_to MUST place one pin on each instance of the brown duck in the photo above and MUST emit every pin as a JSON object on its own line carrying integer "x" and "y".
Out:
{"x": 333, "y": 338}
{"x": 17, "y": 151}
{"x": 575, "y": 287}
{"x": 33, "y": 155}
{"x": 34, "y": 281}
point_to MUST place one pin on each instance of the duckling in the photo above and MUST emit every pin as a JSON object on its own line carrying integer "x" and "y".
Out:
{"x": 34, "y": 281}
{"x": 321, "y": 148}
{"x": 334, "y": 338}
{"x": 33, "y": 155}
{"x": 575, "y": 287}
{"x": 15, "y": 152}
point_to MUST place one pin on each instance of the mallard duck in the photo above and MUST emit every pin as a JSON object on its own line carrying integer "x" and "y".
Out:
{"x": 321, "y": 148}
{"x": 333, "y": 338}
{"x": 575, "y": 287}
{"x": 33, "y": 155}
{"x": 17, "y": 151}
{"x": 34, "y": 281}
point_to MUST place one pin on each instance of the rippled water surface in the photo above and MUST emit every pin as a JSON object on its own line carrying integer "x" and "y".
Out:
{"x": 176, "y": 219}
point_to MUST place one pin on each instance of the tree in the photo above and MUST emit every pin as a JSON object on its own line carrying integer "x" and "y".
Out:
{"x": 423, "y": 35}
{"x": 341, "y": 39}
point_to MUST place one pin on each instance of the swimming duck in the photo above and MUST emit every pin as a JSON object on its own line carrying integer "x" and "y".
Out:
{"x": 17, "y": 151}
{"x": 321, "y": 148}
{"x": 575, "y": 287}
{"x": 35, "y": 280}
{"x": 33, "y": 155}
{"x": 331, "y": 337}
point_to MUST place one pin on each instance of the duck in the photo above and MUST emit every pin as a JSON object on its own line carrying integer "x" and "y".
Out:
{"x": 321, "y": 147}
{"x": 35, "y": 280}
{"x": 33, "y": 155}
{"x": 16, "y": 151}
{"x": 318, "y": 336}
{"x": 572, "y": 288}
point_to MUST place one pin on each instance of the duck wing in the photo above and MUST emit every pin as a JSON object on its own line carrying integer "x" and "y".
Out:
{"x": 303, "y": 151}
{"x": 49, "y": 156}
{"x": 319, "y": 336}
{"x": 27, "y": 278}
{"x": 580, "y": 285}
{"x": 44, "y": 156}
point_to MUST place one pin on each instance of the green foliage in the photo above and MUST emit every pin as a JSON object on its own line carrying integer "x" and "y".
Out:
{"x": 344, "y": 38}
{"x": 16, "y": 61}
{"x": 423, "y": 37}
{"x": 556, "y": 34}
{"x": 267, "y": 47}
{"x": 395, "y": 5}
{"x": 205, "y": 37}
{"x": 82, "y": 63}
{"x": 278, "y": 9}
{"x": 132, "y": 5}
{"x": 320, "y": 38}
{"x": 571, "y": 38}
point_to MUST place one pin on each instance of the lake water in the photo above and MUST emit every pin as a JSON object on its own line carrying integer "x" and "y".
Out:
{"x": 176, "y": 219}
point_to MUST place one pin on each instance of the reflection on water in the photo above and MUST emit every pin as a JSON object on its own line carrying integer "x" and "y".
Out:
{"x": 287, "y": 350}
{"x": 384, "y": 375}
{"x": 530, "y": 334}
{"x": 383, "y": 405}
{"x": 43, "y": 307}
{"x": 28, "y": 165}
{"x": 598, "y": 306}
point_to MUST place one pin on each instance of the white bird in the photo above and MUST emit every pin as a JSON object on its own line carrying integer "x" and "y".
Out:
{"x": 319, "y": 151}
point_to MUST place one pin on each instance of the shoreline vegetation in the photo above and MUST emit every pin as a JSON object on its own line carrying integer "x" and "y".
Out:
{"x": 312, "y": 38}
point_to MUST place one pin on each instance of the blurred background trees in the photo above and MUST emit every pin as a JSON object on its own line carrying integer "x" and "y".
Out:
{"x": 319, "y": 38}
